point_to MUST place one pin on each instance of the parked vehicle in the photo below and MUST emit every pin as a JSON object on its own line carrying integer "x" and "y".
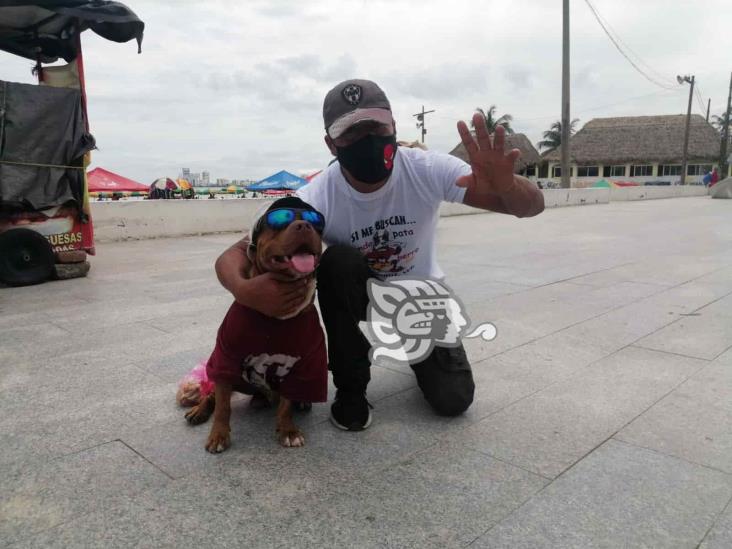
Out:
{"x": 45, "y": 143}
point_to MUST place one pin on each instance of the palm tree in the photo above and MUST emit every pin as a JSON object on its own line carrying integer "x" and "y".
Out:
{"x": 718, "y": 121}
{"x": 492, "y": 122}
{"x": 553, "y": 136}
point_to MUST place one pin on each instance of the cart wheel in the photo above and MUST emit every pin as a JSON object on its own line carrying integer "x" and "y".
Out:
{"x": 26, "y": 257}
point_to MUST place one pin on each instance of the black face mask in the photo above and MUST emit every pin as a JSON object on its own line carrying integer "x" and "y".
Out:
{"x": 370, "y": 159}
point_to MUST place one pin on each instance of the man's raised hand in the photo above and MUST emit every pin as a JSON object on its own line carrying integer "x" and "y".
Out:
{"x": 492, "y": 165}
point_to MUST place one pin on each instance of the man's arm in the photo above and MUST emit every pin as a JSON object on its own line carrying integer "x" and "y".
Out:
{"x": 524, "y": 199}
{"x": 492, "y": 185}
{"x": 263, "y": 293}
{"x": 232, "y": 267}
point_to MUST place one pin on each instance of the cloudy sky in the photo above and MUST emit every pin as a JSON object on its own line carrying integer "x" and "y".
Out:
{"x": 236, "y": 88}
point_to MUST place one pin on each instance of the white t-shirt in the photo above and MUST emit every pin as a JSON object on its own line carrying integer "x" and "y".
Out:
{"x": 394, "y": 227}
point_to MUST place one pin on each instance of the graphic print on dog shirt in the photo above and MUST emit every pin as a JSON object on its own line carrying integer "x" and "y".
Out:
{"x": 267, "y": 354}
{"x": 266, "y": 372}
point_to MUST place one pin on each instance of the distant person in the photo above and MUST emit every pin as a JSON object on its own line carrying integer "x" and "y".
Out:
{"x": 373, "y": 180}
{"x": 715, "y": 177}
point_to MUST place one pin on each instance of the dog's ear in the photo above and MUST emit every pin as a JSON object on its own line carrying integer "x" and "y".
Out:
{"x": 252, "y": 253}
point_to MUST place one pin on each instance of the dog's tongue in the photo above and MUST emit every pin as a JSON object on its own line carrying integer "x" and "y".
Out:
{"x": 303, "y": 263}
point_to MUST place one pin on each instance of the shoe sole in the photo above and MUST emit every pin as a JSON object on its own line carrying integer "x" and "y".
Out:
{"x": 344, "y": 428}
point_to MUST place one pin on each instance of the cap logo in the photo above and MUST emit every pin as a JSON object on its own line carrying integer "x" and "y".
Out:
{"x": 352, "y": 94}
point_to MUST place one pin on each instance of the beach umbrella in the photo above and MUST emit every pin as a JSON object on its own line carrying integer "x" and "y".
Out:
{"x": 163, "y": 184}
{"x": 183, "y": 184}
{"x": 282, "y": 180}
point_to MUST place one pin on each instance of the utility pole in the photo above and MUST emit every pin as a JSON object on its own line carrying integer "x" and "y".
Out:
{"x": 725, "y": 136}
{"x": 709, "y": 104}
{"x": 420, "y": 121}
{"x": 688, "y": 125}
{"x": 565, "y": 96}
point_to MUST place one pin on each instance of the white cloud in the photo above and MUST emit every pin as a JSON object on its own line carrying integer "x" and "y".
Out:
{"x": 237, "y": 87}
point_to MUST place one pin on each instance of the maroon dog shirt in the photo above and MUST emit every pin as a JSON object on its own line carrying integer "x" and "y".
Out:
{"x": 287, "y": 356}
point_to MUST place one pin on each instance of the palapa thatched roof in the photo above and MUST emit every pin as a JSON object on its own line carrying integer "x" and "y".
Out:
{"x": 529, "y": 155}
{"x": 646, "y": 139}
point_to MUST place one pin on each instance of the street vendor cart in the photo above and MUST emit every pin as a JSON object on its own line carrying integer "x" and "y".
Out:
{"x": 45, "y": 220}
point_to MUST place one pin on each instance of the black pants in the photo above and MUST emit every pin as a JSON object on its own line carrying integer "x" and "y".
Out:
{"x": 445, "y": 377}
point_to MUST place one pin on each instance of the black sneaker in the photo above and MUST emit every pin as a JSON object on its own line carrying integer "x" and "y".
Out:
{"x": 351, "y": 411}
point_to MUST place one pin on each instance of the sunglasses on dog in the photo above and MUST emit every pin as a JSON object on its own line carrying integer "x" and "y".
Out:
{"x": 281, "y": 218}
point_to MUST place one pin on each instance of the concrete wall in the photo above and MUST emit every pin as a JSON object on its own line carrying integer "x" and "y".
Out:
{"x": 136, "y": 220}
{"x": 651, "y": 193}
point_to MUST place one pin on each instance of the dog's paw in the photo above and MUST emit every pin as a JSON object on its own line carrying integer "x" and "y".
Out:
{"x": 218, "y": 440}
{"x": 198, "y": 414}
{"x": 291, "y": 438}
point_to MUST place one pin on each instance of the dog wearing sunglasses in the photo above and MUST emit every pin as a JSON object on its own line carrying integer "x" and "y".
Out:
{"x": 270, "y": 358}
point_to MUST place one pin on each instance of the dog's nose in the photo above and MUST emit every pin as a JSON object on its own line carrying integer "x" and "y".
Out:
{"x": 301, "y": 225}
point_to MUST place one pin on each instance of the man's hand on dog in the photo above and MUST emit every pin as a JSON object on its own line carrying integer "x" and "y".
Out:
{"x": 272, "y": 296}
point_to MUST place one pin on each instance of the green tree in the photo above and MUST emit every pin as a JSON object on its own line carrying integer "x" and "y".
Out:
{"x": 492, "y": 122}
{"x": 553, "y": 136}
{"x": 718, "y": 121}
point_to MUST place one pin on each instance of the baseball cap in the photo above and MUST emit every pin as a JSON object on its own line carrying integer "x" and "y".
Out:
{"x": 354, "y": 101}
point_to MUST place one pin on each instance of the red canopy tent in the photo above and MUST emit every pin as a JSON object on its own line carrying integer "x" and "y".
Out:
{"x": 101, "y": 180}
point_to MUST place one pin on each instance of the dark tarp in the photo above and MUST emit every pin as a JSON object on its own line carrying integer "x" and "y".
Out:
{"x": 41, "y": 125}
{"x": 50, "y": 25}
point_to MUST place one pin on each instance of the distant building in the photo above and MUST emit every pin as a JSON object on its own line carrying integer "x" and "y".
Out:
{"x": 527, "y": 165}
{"x": 205, "y": 179}
{"x": 637, "y": 149}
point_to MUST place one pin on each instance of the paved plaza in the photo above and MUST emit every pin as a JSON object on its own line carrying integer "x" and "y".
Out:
{"x": 602, "y": 417}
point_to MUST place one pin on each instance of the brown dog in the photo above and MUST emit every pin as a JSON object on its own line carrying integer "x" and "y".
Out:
{"x": 269, "y": 357}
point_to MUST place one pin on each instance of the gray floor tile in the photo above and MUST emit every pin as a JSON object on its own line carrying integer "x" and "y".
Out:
{"x": 208, "y": 510}
{"x": 720, "y": 536}
{"x": 693, "y": 422}
{"x": 719, "y": 308}
{"x": 619, "y": 496}
{"x": 441, "y": 497}
{"x": 620, "y": 327}
{"x": 550, "y": 430}
{"x": 519, "y": 372}
{"x": 93, "y": 360}
{"x": 57, "y": 413}
{"x": 704, "y": 336}
{"x": 41, "y": 495}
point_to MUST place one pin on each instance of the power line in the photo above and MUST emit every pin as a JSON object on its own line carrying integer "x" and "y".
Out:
{"x": 617, "y": 46}
{"x": 700, "y": 99}
{"x": 661, "y": 77}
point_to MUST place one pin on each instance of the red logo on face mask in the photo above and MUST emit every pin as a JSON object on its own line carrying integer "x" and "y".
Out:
{"x": 389, "y": 156}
